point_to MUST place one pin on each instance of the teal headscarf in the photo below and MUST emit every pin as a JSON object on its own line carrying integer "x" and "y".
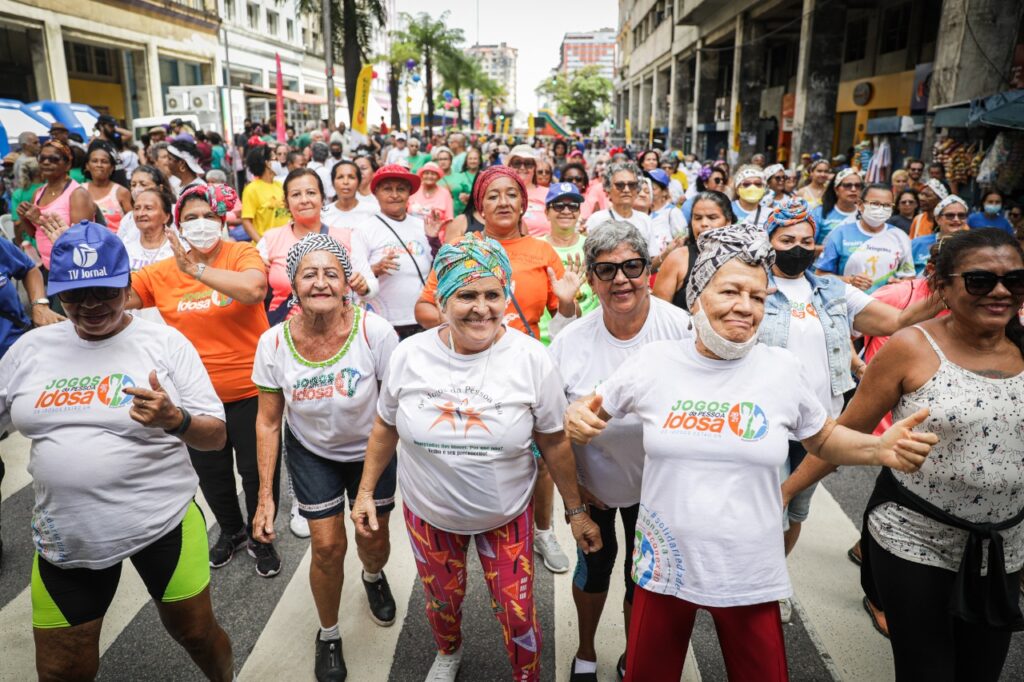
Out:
{"x": 467, "y": 260}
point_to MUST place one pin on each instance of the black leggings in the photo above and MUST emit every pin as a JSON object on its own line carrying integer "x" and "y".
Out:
{"x": 594, "y": 571}
{"x": 927, "y": 642}
{"x": 216, "y": 470}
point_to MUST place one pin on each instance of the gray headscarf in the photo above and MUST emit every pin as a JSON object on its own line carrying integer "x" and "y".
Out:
{"x": 317, "y": 242}
{"x": 716, "y": 247}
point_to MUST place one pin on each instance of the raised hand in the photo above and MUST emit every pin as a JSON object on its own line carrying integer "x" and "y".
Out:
{"x": 904, "y": 449}
{"x": 52, "y": 225}
{"x": 566, "y": 288}
{"x": 387, "y": 264}
{"x": 581, "y": 422}
{"x": 432, "y": 223}
{"x": 186, "y": 260}
{"x": 358, "y": 284}
{"x": 153, "y": 407}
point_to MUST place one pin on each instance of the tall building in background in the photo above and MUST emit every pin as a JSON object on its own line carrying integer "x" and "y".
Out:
{"x": 586, "y": 48}
{"x": 499, "y": 62}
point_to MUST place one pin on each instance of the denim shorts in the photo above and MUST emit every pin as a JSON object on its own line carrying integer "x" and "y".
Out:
{"x": 321, "y": 484}
{"x": 800, "y": 506}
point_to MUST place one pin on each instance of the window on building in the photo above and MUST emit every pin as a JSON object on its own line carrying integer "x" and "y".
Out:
{"x": 290, "y": 25}
{"x": 856, "y": 40}
{"x": 253, "y": 14}
{"x": 96, "y": 63}
{"x": 895, "y": 28}
{"x": 273, "y": 25}
{"x": 305, "y": 36}
{"x": 229, "y": 9}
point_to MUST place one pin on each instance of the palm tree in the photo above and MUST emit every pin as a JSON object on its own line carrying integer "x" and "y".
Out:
{"x": 399, "y": 53}
{"x": 432, "y": 38}
{"x": 353, "y": 23}
{"x": 456, "y": 71}
{"x": 492, "y": 92}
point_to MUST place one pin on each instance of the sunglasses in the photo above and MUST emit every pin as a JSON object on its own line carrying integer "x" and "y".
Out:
{"x": 575, "y": 179}
{"x": 564, "y": 207}
{"x": 543, "y": 171}
{"x": 954, "y": 216}
{"x": 98, "y": 293}
{"x": 50, "y": 158}
{"x": 626, "y": 186}
{"x": 517, "y": 164}
{"x": 981, "y": 282}
{"x": 851, "y": 186}
{"x": 632, "y": 268}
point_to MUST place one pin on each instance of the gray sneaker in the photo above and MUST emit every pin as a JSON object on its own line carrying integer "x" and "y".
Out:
{"x": 445, "y": 667}
{"x": 547, "y": 546}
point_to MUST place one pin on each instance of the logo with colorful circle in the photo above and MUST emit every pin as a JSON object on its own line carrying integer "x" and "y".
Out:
{"x": 748, "y": 421}
{"x": 110, "y": 390}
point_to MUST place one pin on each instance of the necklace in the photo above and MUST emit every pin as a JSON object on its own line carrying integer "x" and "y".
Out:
{"x": 487, "y": 362}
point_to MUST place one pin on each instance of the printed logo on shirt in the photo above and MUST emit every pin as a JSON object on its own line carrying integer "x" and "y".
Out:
{"x": 396, "y": 248}
{"x": 343, "y": 383}
{"x": 459, "y": 416}
{"x": 79, "y": 392}
{"x": 702, "y": 418}
{"x": 656, "y": 557}
{"x": 203, "y": 300}
{"x": 748, "y": 421}
{"x": 801, "y": 310}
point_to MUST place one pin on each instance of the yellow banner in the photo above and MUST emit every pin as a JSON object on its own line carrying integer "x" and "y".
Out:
{"x": 362, "y": 104}
{"x": 505, "y": 126}
{"x": 531, "y": 127}
{"x": 629, "y": 132}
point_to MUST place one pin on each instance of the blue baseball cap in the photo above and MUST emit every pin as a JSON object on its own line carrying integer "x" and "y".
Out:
{"x": 88, "y": 255}
{"x": 659, "y": 176}
{"x": 560, "y": 190}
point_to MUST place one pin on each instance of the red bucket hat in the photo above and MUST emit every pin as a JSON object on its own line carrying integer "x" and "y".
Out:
{"x": 395, "y": 172}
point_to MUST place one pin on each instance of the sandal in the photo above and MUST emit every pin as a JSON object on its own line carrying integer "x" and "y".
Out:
{"x": 853, "y": 554}
{"x": 873, "y": 614}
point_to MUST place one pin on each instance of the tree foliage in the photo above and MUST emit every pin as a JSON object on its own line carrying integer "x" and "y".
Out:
{"x": 434, "y": 40}
{"x": 584, "y": 96}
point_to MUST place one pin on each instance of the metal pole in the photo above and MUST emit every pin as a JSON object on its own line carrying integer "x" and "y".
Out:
{"x": 329, "y": 64}
{"x": 230, "y": 133}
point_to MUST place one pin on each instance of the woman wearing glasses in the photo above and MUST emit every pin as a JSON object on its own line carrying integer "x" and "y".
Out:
{"x": 951, "y": 217}
{"x": 907, "y": 205}
{"x": 867, "y": 252}
{"x": 596, "y": 199}
{"x": 839, "y": 203}
{"x": 523, "y": 160}
{"x": 922, "y": 537}
{"x": 710, "y": 178}
{"x": 609, "y": 469}
{"x": 622, "y": 180}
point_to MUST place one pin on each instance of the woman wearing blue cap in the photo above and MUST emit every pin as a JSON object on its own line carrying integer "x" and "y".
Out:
{"x": 134, "y": 393}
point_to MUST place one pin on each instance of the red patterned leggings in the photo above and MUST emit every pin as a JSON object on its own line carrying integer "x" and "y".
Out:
{"x": 506, "y": 555}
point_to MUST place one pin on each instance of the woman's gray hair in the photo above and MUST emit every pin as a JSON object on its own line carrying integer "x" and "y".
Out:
{"x": 608, "y": 236}
{"x": 217, "y": 176}
{"x": 618, "y": 167}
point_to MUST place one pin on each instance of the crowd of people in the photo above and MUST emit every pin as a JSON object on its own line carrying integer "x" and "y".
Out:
{"x": 463, "y": 327}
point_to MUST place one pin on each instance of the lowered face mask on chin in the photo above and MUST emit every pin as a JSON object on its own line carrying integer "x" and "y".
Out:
{"x": 201, "y": 233}
{"x": 718, "y": 344}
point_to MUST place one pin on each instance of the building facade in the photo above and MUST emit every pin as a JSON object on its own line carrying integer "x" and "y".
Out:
{"x": 726, "y": 78}
{"x": 499, "y": 62}
{"x": 588, "y": 48}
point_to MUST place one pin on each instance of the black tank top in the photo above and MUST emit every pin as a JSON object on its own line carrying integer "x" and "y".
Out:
{"x": 472, "y": 224}
{"x": 679, "y": 298}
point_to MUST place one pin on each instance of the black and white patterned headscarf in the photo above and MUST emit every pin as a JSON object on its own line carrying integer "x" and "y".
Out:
{"x": 317, "y": 242}
{"x": 717, "y": 247}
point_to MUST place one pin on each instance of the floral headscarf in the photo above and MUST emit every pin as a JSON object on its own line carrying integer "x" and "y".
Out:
{"x": 789, "y": 212}
{"x": 717, "y": 247}
{"x": 220, "y": 197}
{"x": 488, "y": 176}
{"x": 467, "y": 260}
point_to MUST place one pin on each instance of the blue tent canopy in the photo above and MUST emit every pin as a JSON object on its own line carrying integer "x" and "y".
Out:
{"x": 15, "y": 119}
{"x": 1004, "y": 110}
{"x": 79, "y": 118}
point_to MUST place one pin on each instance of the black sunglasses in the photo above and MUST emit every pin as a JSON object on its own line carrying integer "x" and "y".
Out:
{"x": 98, "y": 293}
{"x": 982, "y": 282}
{"x": 632, "y": 268}
{"x": 623, "y": 186}
{"x": 564, "y": 206}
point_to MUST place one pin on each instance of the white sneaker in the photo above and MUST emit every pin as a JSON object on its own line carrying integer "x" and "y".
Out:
{"x": 785, "y": 611}
{"x": 547, "y": 546}
{"x": 298, "y": 524}
{"x": 445, "y": 667}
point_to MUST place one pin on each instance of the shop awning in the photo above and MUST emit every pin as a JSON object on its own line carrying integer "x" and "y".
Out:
{"x": 895, "y": 125}
{"x": 951, "y": 117}
{"x": 300, "y": 97}
{"x": 1005, "y": 110}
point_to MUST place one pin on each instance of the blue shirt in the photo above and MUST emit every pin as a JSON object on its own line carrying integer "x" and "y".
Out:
{"x": 982, "y": 219}
{"x": 14, "y": 265}
{"x": 880, "y": 256}
{"x": 834, "y": 219}
{"x": 920, "y": 249}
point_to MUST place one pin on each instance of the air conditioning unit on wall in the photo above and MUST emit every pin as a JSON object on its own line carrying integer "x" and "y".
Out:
{"x": 176, "y": 101}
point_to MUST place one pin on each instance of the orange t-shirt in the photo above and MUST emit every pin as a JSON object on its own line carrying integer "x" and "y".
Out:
{"x": 922, "y": 225}
{"x": 223, "y": 331}
{"x": 530, "y": 259}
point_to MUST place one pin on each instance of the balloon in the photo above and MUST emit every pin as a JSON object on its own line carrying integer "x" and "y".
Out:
{"x": 447, "y": 94}
{"x": 410, "y": 63}
{"x": 447, "y": 105}
{"x": 374, "y": 74}
{"x": 455, "y": 102}
{"x": 415, "y": 78}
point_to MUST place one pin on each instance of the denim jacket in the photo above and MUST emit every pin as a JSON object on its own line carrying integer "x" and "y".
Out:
{"x": 829, "y": 299}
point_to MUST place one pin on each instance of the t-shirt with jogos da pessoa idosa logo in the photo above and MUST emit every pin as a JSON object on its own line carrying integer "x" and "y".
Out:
{"x": 715, "y": 433}
{"x": 105, "y": 485}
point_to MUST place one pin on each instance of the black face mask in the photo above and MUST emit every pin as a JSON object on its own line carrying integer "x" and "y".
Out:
{"x": 794, "y": 261}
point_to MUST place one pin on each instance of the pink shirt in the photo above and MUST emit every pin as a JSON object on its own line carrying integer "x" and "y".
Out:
{"x": 273, "y": 247}
{"x": 441, "y": 201}
{"x": 536, "y": 221}
{"x": 594, "y": 200}
{"x": 111, "y": 209}
{"x": 60, "y": 206}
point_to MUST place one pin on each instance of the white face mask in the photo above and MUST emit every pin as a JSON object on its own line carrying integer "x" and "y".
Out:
{"x": 718, "y": 344}
{"x": 276, "y": 167}
{"x": 202, "y": 233}
{"x": 875, "y": 216}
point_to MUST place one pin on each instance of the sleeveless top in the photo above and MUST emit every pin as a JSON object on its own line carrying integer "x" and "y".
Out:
{"x": 111, "y": 209}
{"x": 975, "y": 472}
{"x": 472, "y": 224}
{"x": 679, "y": 298}
{"x": 60, "y": 206}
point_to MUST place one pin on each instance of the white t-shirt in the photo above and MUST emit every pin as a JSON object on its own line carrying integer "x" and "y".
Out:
{"x": 324, "y": 172}
{"x": 368, "y": 201}
{"x": 334, "y": 217}
{"x": 127, "y": 230}
{"x": 807, "y": 337}
{"x": 330, "y": 405}
{"x": 139, "y": 257}
{"x": 716, "y": 433}
{"x": 396, "y": 155}
{"x": 640, "y": 221}
{"x": 466, "y": 423}
{"x": 399, "y": 289}
{"x": 667, "y": 223}
{"x": 105, "y": 485}
{"x": 586, "y": 354}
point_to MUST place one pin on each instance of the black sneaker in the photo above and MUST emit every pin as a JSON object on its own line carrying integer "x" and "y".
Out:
{"x": 268, "y": 561}
{"x": 329, "y": 664}
{"x": 580, "y": 677}
{"x": 225, "y": 548}
{"x": 620, "y": 667}
{"x": 382, "y": 604}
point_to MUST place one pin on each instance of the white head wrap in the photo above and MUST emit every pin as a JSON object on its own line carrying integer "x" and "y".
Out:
{"x": 951, "y": 199}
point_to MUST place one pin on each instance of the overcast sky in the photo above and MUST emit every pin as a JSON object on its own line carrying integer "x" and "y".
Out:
{"x": 534, "y": 27}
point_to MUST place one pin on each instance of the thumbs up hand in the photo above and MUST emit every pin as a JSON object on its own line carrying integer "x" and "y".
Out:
{"x": 904, "y": 449}
{"x": 583, "y": 420}
{"x": 152, "y": 407}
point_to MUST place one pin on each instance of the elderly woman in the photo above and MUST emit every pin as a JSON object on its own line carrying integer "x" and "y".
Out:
{"x": 262, "y": 199}
{"x": 523, "y": 160}
{"x": 951, "y": 217}
{"x": 367, "y": 167}
{"x": 709, "y": 178}
{"x": 143, "y": 177}
{"x": 467, "y": 401}
{"x": 900, "y": 181}
{"x": 330, "y": 350}
{"x": 717, "y": 414}
{"x": 609, "y": 469}
{"x": 775, "y": 179}
{"x": 950, "y": 612}
{"x": 929, "y": 196}
{"x": 431, "y": 198}
{"x": 907, "y": 204}
{"x": 622, "y": 181}
{"x": 750, "y": 191}
{"x": 347, "y": 211}
{"x": 110, "y": 403}
{"x": 213, "y": 294}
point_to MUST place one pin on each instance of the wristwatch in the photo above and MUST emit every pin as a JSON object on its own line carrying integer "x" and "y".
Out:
{"x": 41, "y": 301}
{"x": 575, "y": 511}
{"x": 200, "y": 269}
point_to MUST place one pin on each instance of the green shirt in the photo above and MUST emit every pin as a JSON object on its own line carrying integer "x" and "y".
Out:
{"x": 77, "y": 175}
{"x": 586, "y": 298}
{"x": 416, "y": 162}
{"x": 458, "y": 183}
{"x": 20, "y": 196}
